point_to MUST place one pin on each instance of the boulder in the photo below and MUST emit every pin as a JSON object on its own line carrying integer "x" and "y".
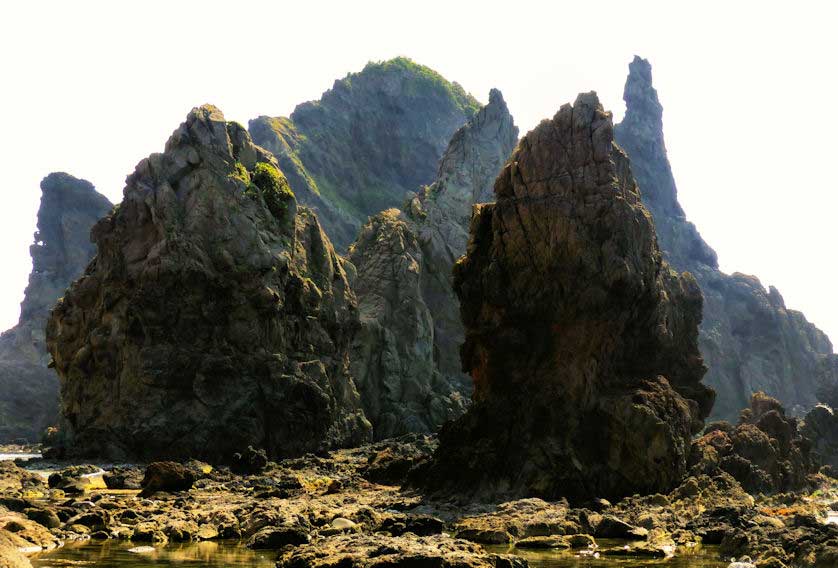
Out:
{"x": 166, "y": 476}
{"x": 581, "y": 341}
{"x": 216, "y": 314}
{"x": 820, "y": 427}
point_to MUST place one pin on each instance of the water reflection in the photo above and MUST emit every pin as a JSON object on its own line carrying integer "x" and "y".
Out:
{"x": 107, "y": 554}
{"x": 707, "y": 557}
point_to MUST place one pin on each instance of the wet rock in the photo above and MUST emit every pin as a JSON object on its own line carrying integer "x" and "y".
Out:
{"x": 61, "y": 251}
{"x": 602, "y": 361}
{"x": 166, "y": 476}
{"x": 219, "y": 307}
{"x": 123, "y": 478}
{"x": 378, "y": 551}
{"x": 278, "y": 537}
{"x": 612, "y": 527}
{"x": 43, "y": 517}
{"x": 251, "y": 461}
{"x": 749, "y": 339}
{"x": 392, "y": 461}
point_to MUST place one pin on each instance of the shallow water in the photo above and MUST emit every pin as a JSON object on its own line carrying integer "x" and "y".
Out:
{"x": 707, "y": 557}
{"x": 110, "y": 554}
{"x": 10, "y": 457}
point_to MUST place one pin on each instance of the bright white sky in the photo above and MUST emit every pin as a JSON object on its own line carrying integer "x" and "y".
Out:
{"x": 749, "y": 92}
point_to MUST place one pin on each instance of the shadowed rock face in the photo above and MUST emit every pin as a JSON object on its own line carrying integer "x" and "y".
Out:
{"x": 374, "y": 137}
{"x": 406, "y": 358}
{"x": 61, "y": 251}
{"x": 581, "y": 341}
{"x": 766, "y": 451}
{"x": 216, "y": 315}
{"x": 749, "y": 339}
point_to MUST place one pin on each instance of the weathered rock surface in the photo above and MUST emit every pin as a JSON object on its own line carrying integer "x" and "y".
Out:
{"x": 374, "y": 137}
{"x": 581, "y": 341}
{"x": 749, "y": 339}
{"x": 820, "y": 427}
{"x": 62, "y": 248}
{"x": 368, "y": 551}
{"x": 166, "y": 476}
{"x": 216, "y": 314}
{"x": 406, "y": 357}
{"x": 765, "y": 452}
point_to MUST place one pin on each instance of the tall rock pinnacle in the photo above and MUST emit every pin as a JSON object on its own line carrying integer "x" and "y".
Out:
{"x": 61, "y": 251}
{"x": 750, "y": 341}
{"x": 581, "y": 341}
{"x": 406, "y": 358}
{"x": 216, "y": 314}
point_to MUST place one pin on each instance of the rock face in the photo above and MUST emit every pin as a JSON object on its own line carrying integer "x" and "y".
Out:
{"x": 61, "y": 251}
{"x": 216, "y": 314}
{"x": 749, "y": 339}
{"x": 765, "y": 452}
{"x": 820, "y": 427}
{"x": 581, "y": 341}
{"x": 371, "y": 139}
{"x": 405, "y": 359}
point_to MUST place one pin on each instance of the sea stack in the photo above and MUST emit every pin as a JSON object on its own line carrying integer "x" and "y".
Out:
{"x": 581, "y": 341}
{"x": 216, "y": 314}
{"x": 62, "y": 248}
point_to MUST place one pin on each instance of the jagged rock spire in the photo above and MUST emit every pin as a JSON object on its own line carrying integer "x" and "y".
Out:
{"x": 581, "y": 341}
{"x": 406, "y": 358}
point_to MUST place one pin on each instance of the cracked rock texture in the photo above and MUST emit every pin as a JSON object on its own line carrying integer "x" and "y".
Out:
{"x": 372, "y": 138}
{"x": 62, "y": 248}
{"x": 749, "y": 339}
{"x": 581, "y": 341}
{"x": 216, "y": 314}
{"x": 406, "y": 357}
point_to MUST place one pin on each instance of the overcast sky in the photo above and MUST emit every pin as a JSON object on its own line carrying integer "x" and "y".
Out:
{"x": 749, "y": 92}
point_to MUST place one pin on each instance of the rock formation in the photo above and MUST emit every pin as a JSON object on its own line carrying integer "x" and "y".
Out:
{"x": 765, "y": 452}
{"x": 820, "y": 427}
{"x": 581, "y": 341}
{"x": 62, "y": 248}
{"x": 749, "y": 339}
{"x": 406, "y": 357}
{"x": 371, "y": 139}
{"x": 216, "y": 314}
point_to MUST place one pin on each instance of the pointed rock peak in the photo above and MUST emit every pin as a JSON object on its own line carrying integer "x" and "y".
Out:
{"x": 496, "y": 98}
{"x": 641, "y": 98}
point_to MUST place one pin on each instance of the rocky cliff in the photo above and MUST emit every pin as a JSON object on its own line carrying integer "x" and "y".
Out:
{"x": 216, "y": 314}
{"x": 62, "y": 248}
{"x": 749, "y": 339}
{"x": 406, "y": 358}
{"x": 374, "y": 137}
{"x": 581, "y": 341}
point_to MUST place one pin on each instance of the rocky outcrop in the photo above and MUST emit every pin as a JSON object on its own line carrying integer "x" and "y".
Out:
{"x": 749, "y": 339}
{"x": 765, "y": 452}
{"x": 581, "y": 341}
{"x": 406, "y": 357}
{"x": 216, "y": 314}
{"x": 374, "y": 137}
{"x": 62, "y": 248}
{"x": 820, "y": 427}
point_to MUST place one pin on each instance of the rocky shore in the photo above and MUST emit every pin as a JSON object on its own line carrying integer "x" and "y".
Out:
{"x": 349, "y": 508}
